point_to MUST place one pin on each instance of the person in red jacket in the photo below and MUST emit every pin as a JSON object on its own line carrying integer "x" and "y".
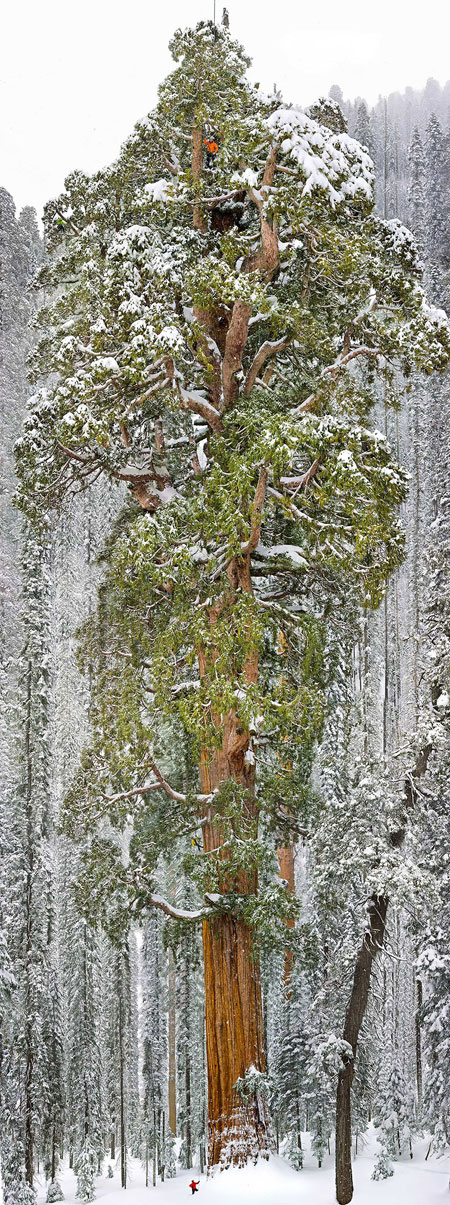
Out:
{"x": 193, "y": 1185}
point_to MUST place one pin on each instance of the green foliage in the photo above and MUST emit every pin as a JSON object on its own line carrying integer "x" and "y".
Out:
{"x": 214, "y": 605}
{"x": 253, "y": 1084}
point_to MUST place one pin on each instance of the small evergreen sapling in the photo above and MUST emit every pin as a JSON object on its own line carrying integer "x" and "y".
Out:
{"x": 86, "y": 1166}
{"x": 54, "y": 1191}
{"x": 383, "y": 1168}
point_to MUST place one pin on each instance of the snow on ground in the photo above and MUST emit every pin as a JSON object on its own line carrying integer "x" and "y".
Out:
{"x": 415, "y": 1182}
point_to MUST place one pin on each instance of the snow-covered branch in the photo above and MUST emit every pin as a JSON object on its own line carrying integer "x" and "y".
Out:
{"x": 199, "y": 914}
{"x": 299, "y": 483}
{"x": 160, "y": 785}
{"x": 266, "y": 352}
{"x": 333, "y": 370}
{"x": 193, "y": 401}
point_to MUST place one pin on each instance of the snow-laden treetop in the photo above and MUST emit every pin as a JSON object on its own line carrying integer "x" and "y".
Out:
{"x": 214, "y": 337}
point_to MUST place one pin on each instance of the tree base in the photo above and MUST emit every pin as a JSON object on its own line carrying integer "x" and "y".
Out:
{"x": 242, "y": 1138}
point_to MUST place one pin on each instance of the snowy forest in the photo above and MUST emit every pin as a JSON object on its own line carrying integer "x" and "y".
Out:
{"x": 225, "y": 654}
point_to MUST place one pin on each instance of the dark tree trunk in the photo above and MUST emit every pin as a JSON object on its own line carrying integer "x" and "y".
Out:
{"x": 188, "y": 1108}
{"x": 163, "y": 1148}
{"x": 29, "y": 1044}
{"x": 371, "y": 945}
{"x": 123, "y": 1141}
{"x": 155, "y": 1149}
{"x": 172, "y": 1089}
{"x": 417, "y": 1021}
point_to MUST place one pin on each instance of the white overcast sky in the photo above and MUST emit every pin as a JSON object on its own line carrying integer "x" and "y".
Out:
{"x": 76, "y": 74}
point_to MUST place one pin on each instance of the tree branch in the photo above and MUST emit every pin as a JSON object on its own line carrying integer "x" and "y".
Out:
{"x": 179, "y": 913}
{"x": 198, "y": 405}
{"x": 333, "y": 370}
{"x": 267, "y": 259}
{"x": 177, "y": 795}
{"x": 160, "y": 785}
{"x": 235, "y": 342}
{"x": 266, "y": 352}
{"x": 298, "y": 483}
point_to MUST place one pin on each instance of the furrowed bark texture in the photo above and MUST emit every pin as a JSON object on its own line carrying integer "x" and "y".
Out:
{"x": 371, "y": 945}
{"x": 233, "y": 1003}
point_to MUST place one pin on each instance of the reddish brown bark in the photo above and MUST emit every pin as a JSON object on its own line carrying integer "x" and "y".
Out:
{"x": 233, "y": 1003}
{"x": 267, "y": 258}
{"x": 234, "y": 349}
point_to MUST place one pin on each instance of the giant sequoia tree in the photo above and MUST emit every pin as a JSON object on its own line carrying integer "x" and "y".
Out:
{"x": 214, "y": 340}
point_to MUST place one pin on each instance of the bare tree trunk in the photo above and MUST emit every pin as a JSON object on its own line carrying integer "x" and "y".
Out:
{"x": 418, "y": 1035}
{"x": 123, "y": 1140}
{"x": 29, "y": 1050}
{"x": 234, "y": 1040}
{"x": 233, "y": 1001}
{"x": 187, "y": 1065}
{"x": 371, "y": 945}
{"x": 163, "y": 1148}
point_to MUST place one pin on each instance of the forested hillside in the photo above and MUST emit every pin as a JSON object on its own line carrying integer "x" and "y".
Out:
{"x": 225, "y": 659}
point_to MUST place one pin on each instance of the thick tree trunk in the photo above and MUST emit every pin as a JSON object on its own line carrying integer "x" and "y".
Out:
{"x": 233, "y": 1009}
{"x": 187, "y": 1065}
{"x": 233, "y": 1001}
{"x": 371, "y": 945}
{"x": 234, "y": 1041}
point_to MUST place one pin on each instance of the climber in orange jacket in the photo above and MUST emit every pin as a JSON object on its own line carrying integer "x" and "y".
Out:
{"x": 212, "y": 148}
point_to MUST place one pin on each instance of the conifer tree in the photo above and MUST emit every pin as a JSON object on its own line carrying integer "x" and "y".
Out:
{"x": 417, "y": 190}
{"x": 216, "y": 334}
{"x": 363, "y": 129}
{"x": 20, "y": 573}
{"x": 436, "y": 209}
{"x": 155, "y": 1047}
{"x": 37, "y": 1027}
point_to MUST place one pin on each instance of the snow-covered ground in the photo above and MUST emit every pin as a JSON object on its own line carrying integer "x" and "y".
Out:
{"x": 415, "y": 1182}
